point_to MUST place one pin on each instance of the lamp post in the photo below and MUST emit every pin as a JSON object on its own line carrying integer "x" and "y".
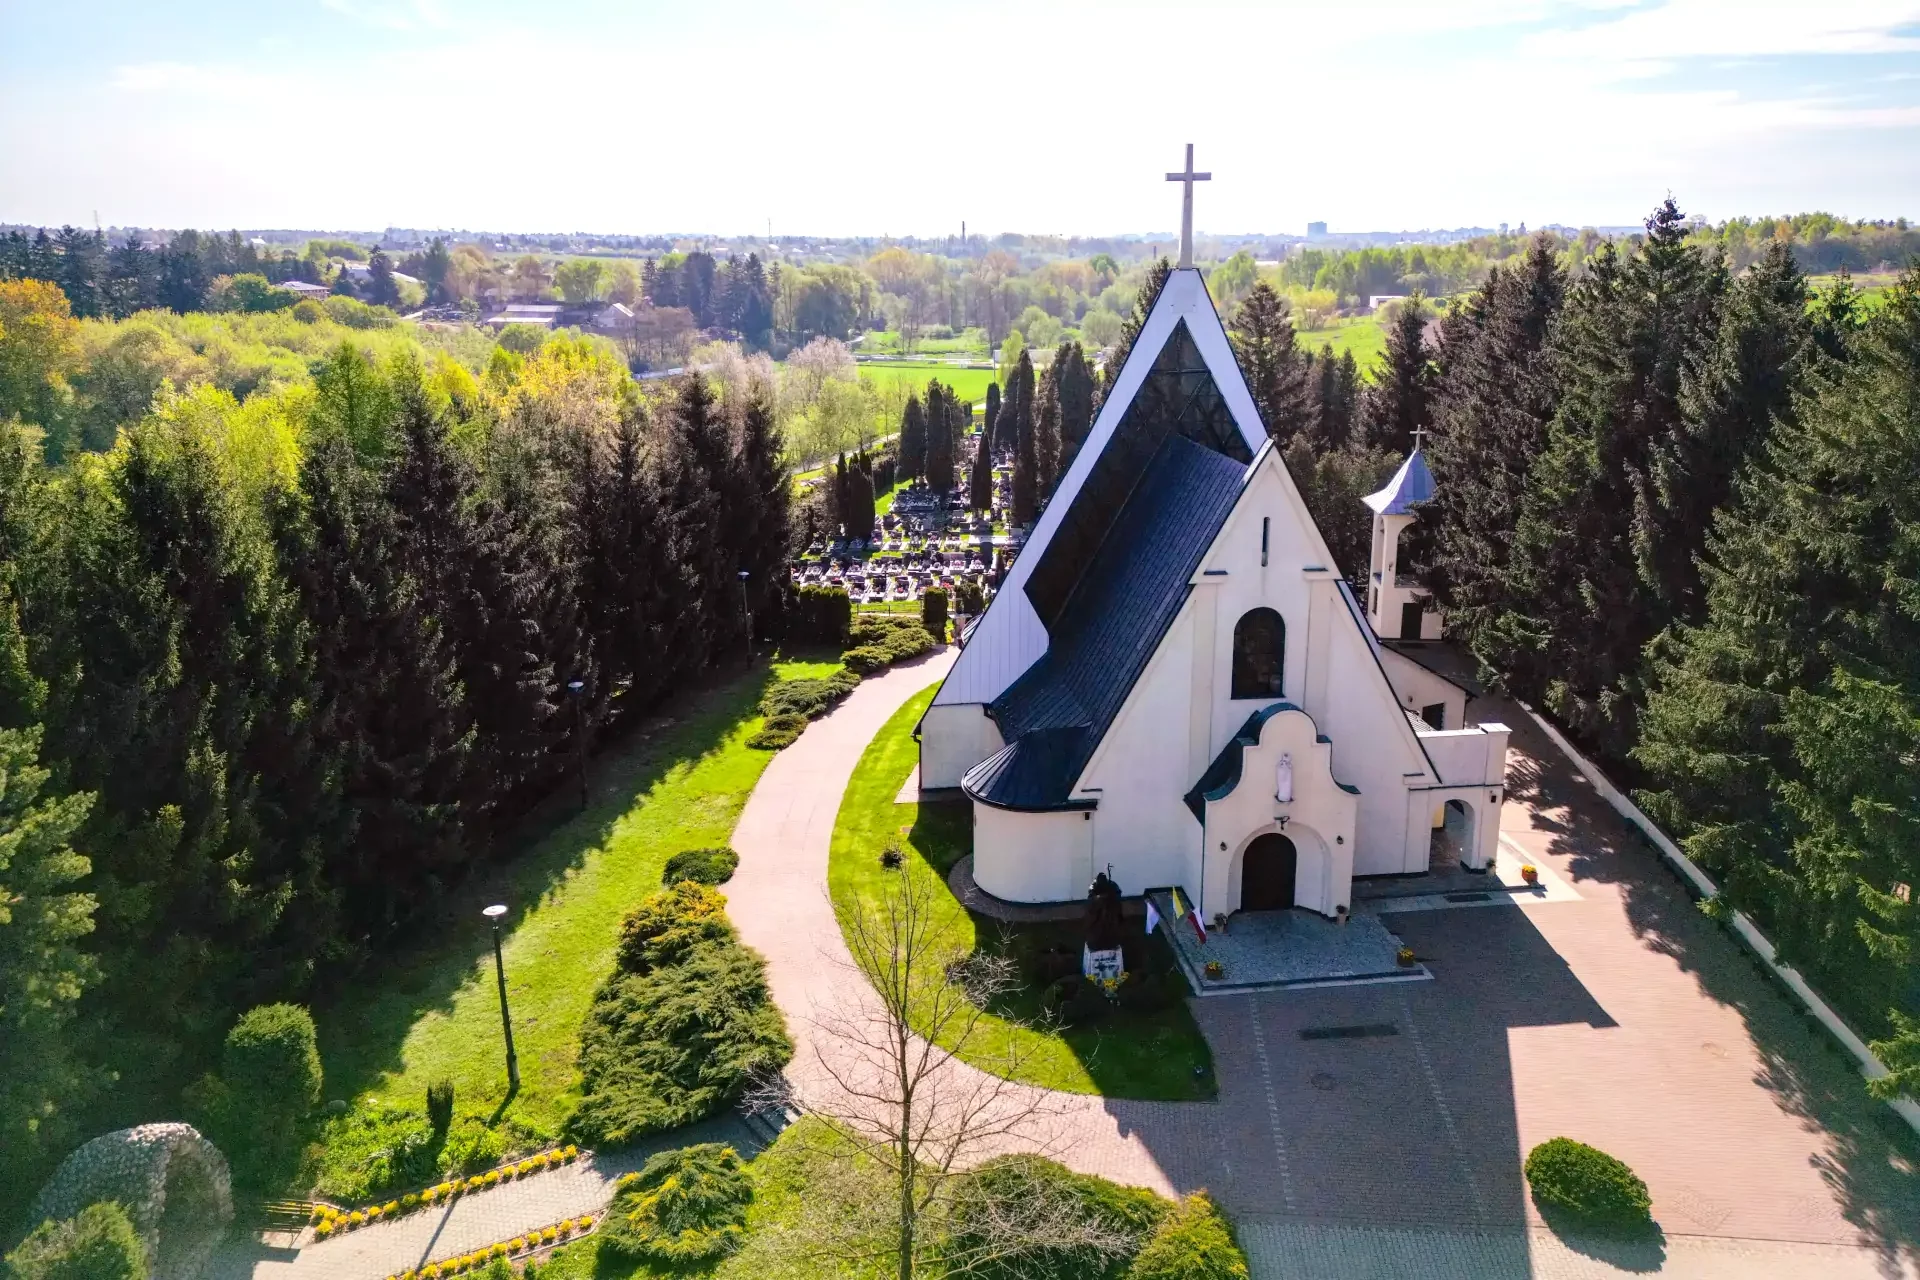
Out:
{"x": 494, "y": 915}
{"x": 576, "y": 690}
{"x": 746, "y": 618}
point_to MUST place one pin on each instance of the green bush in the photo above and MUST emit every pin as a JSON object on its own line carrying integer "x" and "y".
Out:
{"x": 1588, "y": 1183}
{"x": 374, "y": 1150}
{"x": 472, "y": 1147}
{"x": 1194, "y": 1242}
{"x": 272, "y": 1061}
{"x": 99, "y": 1244}
{"x": 440, "y": 1105}
{"x": 681, "y": 1026}
{"x": 880, "y": 644}
{"x": 933, "y": 611}
{"x": 683, "y": 1207}
{"x": 1128, "y": 1214}
{"x": 705, "y": 866}
{"x": 807, "y": 698}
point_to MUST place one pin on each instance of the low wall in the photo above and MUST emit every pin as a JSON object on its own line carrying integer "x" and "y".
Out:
{"x": 1870, "y": 1066}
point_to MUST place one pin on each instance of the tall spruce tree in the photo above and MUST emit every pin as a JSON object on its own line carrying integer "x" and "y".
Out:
{"x": 1073, "y": 386}
{"x": 1397, "y": 402}
{"x": 1780, "y": 732}
{"x": 1046, "y": 432}
{"x": 980, "y": 476}
{"x": 1493, "y": 398}
{"x": 940, "y": 422}
{"x": 1278, "y": 373}
{"x": 1018, "y": 408}
{"x": 989, "y": 425}
{"x": 1581, "y": 612}
{"x": 913, "y": 439}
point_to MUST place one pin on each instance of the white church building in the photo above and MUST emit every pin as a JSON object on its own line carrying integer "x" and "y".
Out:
{"x": 1175, "y": 682}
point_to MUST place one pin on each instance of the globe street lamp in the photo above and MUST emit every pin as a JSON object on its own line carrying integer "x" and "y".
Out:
{"x": 494, "y": 915}
{"x": 575, "y": 689}
{"x": 746, "y": 618}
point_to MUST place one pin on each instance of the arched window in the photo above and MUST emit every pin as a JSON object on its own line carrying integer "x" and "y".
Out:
{"x": 1259, "y": 654}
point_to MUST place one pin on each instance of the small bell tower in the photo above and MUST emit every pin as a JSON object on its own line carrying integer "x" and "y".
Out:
{"x": 1397, "y": 608}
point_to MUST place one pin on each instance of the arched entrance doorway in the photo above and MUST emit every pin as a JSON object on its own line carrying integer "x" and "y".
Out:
{"x": 1267, "y": 873}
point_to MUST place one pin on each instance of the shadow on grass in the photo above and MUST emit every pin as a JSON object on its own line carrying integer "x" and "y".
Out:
{"x": 1141, "y": 1053}
{"x": 363, "y": 1029}
{"x": 1872, "y": 1163}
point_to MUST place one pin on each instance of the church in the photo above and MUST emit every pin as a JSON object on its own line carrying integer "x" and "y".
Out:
{"x": 1175, "y": 684}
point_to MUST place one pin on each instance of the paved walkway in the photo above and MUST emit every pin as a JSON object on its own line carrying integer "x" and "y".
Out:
{"x": 469, "y": 1223}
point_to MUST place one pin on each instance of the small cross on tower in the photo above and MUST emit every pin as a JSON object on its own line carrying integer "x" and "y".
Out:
{"x": 1186, "y": 206}
{"x": 1418, "y": 443}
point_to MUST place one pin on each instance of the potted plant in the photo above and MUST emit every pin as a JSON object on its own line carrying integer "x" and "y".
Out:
{"x": 1215, "y": 970}
{"x": 1530, "y": 873}
{"x": 1405, "y": 957}
{"x": 1220, "y": 921}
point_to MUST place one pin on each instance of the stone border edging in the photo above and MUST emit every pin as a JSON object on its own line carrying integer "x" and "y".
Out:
{"x": 1703, "y": 886}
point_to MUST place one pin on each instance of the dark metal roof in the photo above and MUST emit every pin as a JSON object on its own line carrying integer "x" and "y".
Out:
{"x": 1108, "y": 629}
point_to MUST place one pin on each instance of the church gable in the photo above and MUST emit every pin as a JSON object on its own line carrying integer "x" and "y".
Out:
{"x": 1180, "y": 381}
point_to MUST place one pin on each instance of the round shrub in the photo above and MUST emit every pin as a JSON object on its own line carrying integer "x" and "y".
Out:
{"x": 1587, "y": 1183}
{"x": 684, "y": 1206}
{"x": 1194, "y": 1242}
{"x": 704, "y": 866}
{"x": 271, "y": 1063}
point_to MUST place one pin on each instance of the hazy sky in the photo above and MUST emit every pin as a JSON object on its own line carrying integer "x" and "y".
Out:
{"x": 837, "y": 118}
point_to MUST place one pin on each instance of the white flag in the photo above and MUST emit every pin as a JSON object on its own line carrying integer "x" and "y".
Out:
{"x": 1153, "y": 917}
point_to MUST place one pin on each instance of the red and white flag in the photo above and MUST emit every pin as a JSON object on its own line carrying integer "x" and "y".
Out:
{"x": 1191, "y": 913}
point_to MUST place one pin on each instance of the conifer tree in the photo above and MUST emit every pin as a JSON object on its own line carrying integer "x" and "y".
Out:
{"x": 1046, "y": 431}
{"x": 940, "y": 421}
{"x": 1278, "y": 373}
{"x": 1493, "y": 398}
{"x": 1397, "y": 401}
{"x": 1580, "y": 611}
{"x": 1074, "y": 390}
{"x": 980, "y": 478}
{"x": 989, "y": 437}
{"x": 765, "y": 519}
{"x": 1018, "y": 411}
{"x": 1780, "y": 732}
{"x": 913, "y": 439}
{"x": 1130, "y": 326}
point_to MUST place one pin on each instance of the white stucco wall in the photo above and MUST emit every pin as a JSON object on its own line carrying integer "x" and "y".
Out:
{"x": 953, "y": 739}
{"x": 1319, "y": 820}
{"x": 1420, "y": 688}
{"x": 1034, "y": 857}
{"x": 1384, "y": 597}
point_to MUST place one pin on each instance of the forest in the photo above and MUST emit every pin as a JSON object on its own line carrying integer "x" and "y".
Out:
{"x": 286, "y": 668}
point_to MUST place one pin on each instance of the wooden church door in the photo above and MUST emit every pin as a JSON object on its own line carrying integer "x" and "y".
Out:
{"x": 1410, "y": 615}
{"x": 1266, "y": 874}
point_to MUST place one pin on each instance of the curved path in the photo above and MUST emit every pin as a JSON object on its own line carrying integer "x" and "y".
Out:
{"x": 778, "y": 900}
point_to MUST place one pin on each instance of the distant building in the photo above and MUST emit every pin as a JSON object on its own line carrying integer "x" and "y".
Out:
{"x": 1316, "y": 231}
{"x": 1377, "y": 300}
{"x": 301, "y": 289}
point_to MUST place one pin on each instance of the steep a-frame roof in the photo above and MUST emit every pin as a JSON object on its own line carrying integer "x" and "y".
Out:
{"x": 1180, "y": 379}
{"x": 1107, "y": 628}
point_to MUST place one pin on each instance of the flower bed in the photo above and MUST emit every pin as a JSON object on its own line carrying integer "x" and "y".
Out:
{"x": 521, "y": 1246}
{"x": 330, "y": 1220}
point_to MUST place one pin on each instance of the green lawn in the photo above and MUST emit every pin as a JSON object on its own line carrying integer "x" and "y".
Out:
{"x": 676, "y": 783}
{"x": 1134, "y": 1055}
{"x": 1361, "y": 335}
{"x": 884, "y": 502}
{"x": 968, "y": 384}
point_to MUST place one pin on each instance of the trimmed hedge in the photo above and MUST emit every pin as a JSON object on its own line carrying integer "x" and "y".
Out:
{"x": 684, "y": 1022}
{"x": 821, "y": 615}
{"x": 1587, "y": 1183}
{"x": 703, "y": 866}
{"x": 1194, "y": 1242}
{"x": 684, "y": 1207}
{"x": 933, "y": 611}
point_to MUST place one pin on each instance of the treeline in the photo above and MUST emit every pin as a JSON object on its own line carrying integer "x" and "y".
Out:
{"x": 115, "y": 280}
{"x": 310, "y": 656}
{"x": 1675, "y": 507}
{"x": 1821, "y": 243}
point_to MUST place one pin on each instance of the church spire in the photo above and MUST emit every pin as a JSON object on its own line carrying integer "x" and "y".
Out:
{"x": 1186, "y": 206}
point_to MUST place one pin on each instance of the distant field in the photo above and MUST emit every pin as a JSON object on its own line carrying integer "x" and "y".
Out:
{"x": 900, "y": 377}
{"x": 1362, "y": 335}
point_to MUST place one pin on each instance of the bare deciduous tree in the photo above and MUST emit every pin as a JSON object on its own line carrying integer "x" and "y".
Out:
{"x": 902, "y": 1115}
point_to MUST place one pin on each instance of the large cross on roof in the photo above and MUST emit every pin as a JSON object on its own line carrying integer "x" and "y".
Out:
{"x": 1186, "y": 206}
